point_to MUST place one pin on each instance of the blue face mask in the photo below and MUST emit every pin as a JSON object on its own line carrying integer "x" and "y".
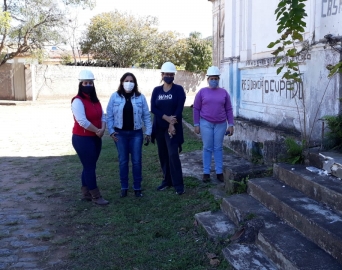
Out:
{"x": 168, "y": 80}
{"x": 213, "y": 83}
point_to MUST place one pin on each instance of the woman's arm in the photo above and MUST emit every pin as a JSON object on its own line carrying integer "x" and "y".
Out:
{"x": 110, "y": 115}
{"x": 229, "y": 110}
{"x": 146, "y": 116}
{"x": 180, "y": 104}
{"x": 197, "y": 108}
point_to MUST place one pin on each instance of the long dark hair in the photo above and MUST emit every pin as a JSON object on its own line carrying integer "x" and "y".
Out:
{"x": 121, "y": 90}
{"x": 92, "y": 95}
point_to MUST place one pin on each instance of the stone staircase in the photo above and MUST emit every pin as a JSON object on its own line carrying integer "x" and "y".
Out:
{"x": 292, "y": 220}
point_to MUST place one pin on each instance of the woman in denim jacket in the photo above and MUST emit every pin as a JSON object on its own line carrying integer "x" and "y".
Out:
{"x": 127, "y": 113}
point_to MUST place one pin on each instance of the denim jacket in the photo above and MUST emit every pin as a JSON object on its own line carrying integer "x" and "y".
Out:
{"x": 142, "y": 116}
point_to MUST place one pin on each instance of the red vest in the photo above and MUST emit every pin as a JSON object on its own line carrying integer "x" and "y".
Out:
{"x": 93, "y": 112}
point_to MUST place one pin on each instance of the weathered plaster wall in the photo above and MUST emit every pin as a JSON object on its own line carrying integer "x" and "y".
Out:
{"x": 54, "y": 81}
{"x": 249, "y": 75}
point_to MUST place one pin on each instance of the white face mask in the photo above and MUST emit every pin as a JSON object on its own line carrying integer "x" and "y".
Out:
{"x": 128, "y": 86}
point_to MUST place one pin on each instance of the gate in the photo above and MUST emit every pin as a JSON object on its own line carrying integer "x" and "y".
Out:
{"x": 18, "y": 71}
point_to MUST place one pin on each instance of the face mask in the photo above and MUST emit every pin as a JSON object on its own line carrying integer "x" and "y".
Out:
{"x": 168, "y": 80}
{"x": 87, "y": 89}
{"x": 128, "y": 86}
{"x": 213, "y": 83}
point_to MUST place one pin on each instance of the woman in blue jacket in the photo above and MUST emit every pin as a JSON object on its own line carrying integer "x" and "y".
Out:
{"x": 167, "y": 103}
{"x": 127, "y": 113}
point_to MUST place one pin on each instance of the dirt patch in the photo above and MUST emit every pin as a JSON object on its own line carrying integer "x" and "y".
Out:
{"x": 34, "y": 138}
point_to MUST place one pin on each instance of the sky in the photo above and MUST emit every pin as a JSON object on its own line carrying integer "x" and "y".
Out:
{"x": 183, "y": 16}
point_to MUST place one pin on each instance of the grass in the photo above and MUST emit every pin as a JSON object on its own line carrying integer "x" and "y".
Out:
{"x": 156, "y": 231}
{"x": 187, "y": 115}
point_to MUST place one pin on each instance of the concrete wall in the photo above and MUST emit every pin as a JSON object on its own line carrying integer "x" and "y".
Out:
{"x": 249, "y": 75}
{"x": 56, "y": 81}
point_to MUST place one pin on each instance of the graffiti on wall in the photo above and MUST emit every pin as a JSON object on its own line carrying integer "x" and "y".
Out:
{"x": 331, "y": 7}
{"x": 270, "y": 61}
{"x": 285, "y": 89}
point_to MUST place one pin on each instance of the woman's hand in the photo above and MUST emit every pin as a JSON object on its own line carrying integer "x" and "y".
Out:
{"x": 115, "y": 139}
{"x": 197, "y": 129}
{"x": 230, "y": 130}
{"x": 170, "y": 119}
{"x": 100, "y": 133}
{"x": 171, "y": 130}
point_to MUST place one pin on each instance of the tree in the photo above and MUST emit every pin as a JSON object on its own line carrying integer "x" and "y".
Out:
{"x": 199, "y": 53}
{"x": 118, "y": 37}
{"x": 29, "y": 25}
{"x": 163, "y": 47}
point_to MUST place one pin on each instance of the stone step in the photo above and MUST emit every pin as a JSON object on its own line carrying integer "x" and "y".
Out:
{"x": 243, "y": 257}
{"x": 322, "y": 188}
{"x": 316, "y": 221}
{"x": 281, "y": 243}
{"x": 216, "y": 224}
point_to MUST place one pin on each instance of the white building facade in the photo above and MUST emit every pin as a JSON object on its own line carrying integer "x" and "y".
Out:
{"x": 266, "y": 108}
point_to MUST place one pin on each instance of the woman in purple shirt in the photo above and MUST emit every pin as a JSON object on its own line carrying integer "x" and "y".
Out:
{"x": 212, "y": 109}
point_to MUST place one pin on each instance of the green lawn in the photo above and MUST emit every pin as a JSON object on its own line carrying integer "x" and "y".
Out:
{"x": 156, "y": 231}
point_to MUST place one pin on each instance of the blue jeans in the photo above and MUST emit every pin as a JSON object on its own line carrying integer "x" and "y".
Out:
{"x": 168, "y": 153}
{"x": 212, "y": 138}
{"x": 130, "y": 142}
{"x": 88, "y": 149}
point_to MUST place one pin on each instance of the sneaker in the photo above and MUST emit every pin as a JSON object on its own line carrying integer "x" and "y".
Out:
{"x": 163, "y": 187}
{"x": 180, "y": 192}
{"x": 206, "y": 178}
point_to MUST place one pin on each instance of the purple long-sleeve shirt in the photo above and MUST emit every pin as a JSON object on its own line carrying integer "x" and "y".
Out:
{"x": 214, "y": 105}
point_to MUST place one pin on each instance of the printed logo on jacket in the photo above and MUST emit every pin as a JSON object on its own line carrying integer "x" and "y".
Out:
{"x": 165, "y": 97}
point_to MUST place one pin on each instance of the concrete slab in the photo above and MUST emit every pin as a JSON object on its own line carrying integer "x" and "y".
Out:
{"x": 216, "y": 224}
{"x": 323, "y": 188}
{"x": 317, "y": 222}
{"x": 281, "y": 243}
{"x": 243, "y": 257}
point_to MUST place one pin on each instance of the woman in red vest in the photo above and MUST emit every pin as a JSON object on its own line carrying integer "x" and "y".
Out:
{"x": 89, "y": 127}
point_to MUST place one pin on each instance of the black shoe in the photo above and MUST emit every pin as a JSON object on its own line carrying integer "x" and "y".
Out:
{"x": 206, "y": 178}
{"x": 180, "y": 192}
{"x": 123, "y": 193}
{"x": 163, "y": 187}
{"x": 220, "y": 177}
{"x": 138, "y": 193}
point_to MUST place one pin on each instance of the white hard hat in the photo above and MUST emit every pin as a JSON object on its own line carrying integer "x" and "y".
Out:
{"x": 213, "y": 71}
{"x": 168, "y": 67}
{"x": 86, "y": 75}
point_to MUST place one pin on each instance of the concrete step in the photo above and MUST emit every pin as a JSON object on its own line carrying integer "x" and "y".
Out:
{"x": 316, "y": 221}
{"x": 322, "y": 188}
{"x": 281, "y": 243}
{"x": 243, "y": 257}
{"x": 216, "y": 224}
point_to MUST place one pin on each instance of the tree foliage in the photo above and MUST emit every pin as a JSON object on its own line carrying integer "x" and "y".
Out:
{"x": 125, "y": 40}
{"x": 118, "y": 37}
{"x": 29, "y": 25}
{"x": 290, "y": 17}
{"x": 199, "y": 54}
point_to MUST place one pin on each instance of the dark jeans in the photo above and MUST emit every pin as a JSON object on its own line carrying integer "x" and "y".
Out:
{"x": 88, "y": 149}
{"x": 169, "y": 160}
{"x": 130, "y": 142}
